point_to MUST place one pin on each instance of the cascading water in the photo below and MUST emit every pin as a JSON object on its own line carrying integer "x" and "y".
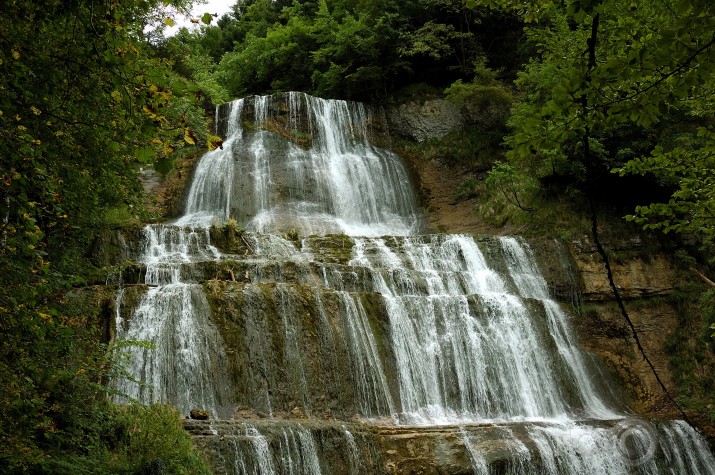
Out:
{"x": 374, "y": 322}
{"x": 185, "y": 364}
{"x": 322, "y": 182}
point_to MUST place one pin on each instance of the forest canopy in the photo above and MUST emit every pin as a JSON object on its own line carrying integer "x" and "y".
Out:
{"x": 344, "y": 48}
{"x": 624, "y": 88}
{"x": 610, "y": 99}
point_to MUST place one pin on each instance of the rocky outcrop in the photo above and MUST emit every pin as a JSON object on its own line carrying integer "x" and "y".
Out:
{"x": 637, "y": 276}
{"x": 645, "y": 283}
{"x": 165, "y": 194}
{"x": 420, "y": 121}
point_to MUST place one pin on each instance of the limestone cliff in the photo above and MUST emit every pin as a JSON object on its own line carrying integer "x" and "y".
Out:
{"x": 300, "y": 372}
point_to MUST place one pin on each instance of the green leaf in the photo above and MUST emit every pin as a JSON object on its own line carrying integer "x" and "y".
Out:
{"x": 145, "y": 154}
{"x": 207, "y": 18}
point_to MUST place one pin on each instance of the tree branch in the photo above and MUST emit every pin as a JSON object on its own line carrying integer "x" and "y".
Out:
{"x": 703, "y": 277}
{"x": 684, "y": 65}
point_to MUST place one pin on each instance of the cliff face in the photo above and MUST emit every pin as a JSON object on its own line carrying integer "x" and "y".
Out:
{"x": 660, "y": 301}
{"x": 650, "y": 284}
{"x": 287, "y": 323}
{"x": 420, "y": 121}
{"x": 645, "y": 285}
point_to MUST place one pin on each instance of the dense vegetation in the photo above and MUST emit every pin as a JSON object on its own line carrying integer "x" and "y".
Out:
{"x": 346, "y": 49}
{"x": 612, "y": 105}
{"x": 84, "y": 102}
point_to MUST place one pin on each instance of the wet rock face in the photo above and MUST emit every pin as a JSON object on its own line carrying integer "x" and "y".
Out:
{"x": 290, "y": 447}
{"x": 339, "y": 354}
{"x": 298, "y": 396}
{"x": 343, "y": 448}
{"x": 287, "y": 355}
{"x": 645, "y": 284}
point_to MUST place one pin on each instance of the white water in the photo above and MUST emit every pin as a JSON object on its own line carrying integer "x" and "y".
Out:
{"x": 467, "y": 349}
{"x": 471, "y": 344}
{"x": 356, "y": 465}
{"x": 340, "y": 183}
{"x": 185, "y": 357}
{"x": 299, "y": 455}
{"x": 369, "y": 377}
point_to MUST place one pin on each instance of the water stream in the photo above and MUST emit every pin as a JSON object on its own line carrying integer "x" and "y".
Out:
{"x": 427, "y": 331}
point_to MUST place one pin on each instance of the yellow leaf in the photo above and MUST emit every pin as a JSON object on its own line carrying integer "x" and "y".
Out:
{"x": 214, "y": 142}
{"x": 189, "y": 136}
{"x": 169, "y": 21}
{"x": 15, "y": 54}
{"x": 149, "y": 111}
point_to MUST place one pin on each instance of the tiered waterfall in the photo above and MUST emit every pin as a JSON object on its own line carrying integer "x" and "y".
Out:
{"x": 300, "y": 301}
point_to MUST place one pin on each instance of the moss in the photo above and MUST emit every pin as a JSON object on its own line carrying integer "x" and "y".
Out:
{"x": 230, "y": 238}
{"x": 303, "y": 139}
{"x": 332, "y": 248}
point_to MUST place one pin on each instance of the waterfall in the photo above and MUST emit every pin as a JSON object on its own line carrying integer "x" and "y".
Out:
{"x": 346, "y": 338}
{"x": 184, "y": 364}
{"x": 328, "y": 179}
{"x": 455, "y": 324}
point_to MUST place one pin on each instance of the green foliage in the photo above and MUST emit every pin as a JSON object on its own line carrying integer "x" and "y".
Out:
{"x": 151, "y": 439}
{"x": 484, "y": 100}
{"x": 707, "y": 304}
{"x": 80, "y": 112}
{"x": 433, "y": 40}
{"x": 342, "y": 48}
{"x": 507, "y": 180}
{"x": 691, "y": 208}
{"x": 692, "y": 354}
{"x": 189, "y": 58}
{"x": 232, "y": 227}
{"x": 608, "y": 67}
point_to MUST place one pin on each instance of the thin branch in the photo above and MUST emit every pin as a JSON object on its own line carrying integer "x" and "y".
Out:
{"x": 703, "y": 277}
{"x": 684, "y": 65}
{"x": 589, "y": 162}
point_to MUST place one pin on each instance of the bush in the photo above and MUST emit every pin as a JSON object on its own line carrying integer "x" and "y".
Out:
{"x": 150, "y": 440}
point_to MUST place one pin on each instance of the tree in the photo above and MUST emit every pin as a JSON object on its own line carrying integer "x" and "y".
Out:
{"x": 605, "y": 66}
{"x": 83, "y": 104}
